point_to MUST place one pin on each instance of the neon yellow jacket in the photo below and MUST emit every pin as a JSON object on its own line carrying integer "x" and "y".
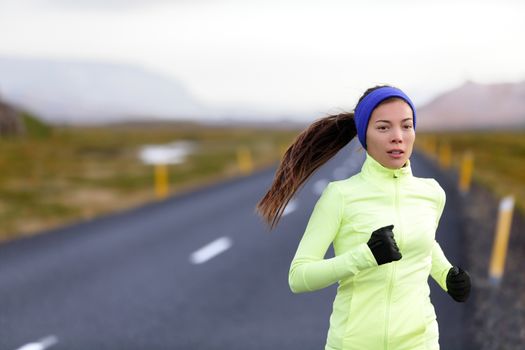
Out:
{"x": 376, "y": 307}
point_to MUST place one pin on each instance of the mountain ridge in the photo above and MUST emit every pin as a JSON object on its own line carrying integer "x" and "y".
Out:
{"x": 72, "y": 91}
{"x": 475, "y": 106}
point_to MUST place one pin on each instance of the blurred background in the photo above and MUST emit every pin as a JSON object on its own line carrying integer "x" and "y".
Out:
{"x": 106, "y": 106}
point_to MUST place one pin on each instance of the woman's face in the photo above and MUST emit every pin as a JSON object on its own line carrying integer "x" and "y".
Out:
{"x": 391, "y": 127}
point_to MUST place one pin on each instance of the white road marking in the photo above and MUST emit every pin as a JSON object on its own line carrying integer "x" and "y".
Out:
{"x": 42, "y": 344}
{"x": 171, "y": 153}
{"x": 340, "y": 173}
{"x": 506, "y": 204}
{"x": 319, "y": 186}
{"x": 354, "y": 163}
{"x": 290, "y": 208}
{"x": 210, "y": 250}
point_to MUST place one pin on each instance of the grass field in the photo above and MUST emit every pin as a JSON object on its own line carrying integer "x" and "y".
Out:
{"x": 54, "y": 176}
{"x": 499, "y": 158}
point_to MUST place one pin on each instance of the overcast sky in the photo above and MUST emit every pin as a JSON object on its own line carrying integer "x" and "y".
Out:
{"x": 281, "y": 55}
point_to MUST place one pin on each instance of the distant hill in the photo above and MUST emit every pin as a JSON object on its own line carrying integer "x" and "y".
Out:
{"x": 475, "y": 106}
{"x": 92, "y": 92}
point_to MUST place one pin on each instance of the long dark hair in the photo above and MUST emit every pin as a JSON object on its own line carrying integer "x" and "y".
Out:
{"x": 313, "y": 147}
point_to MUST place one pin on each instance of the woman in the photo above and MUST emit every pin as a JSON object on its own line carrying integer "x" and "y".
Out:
{"x": 381, "y": 222}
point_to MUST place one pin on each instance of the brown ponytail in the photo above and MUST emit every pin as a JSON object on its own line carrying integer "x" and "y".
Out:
{"x": 312, "y": 148}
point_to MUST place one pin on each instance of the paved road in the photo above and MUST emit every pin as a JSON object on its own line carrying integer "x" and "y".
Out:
{"x": 141, "y": 279}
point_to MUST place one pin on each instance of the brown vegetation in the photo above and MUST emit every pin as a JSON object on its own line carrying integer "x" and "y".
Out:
{"x": 10, "y": 121}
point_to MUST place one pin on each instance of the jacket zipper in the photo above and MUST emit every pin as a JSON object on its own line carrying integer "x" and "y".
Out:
{"x": 393, "y": 267}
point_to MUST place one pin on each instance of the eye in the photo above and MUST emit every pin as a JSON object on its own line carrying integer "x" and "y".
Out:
{"x": 381, "y": 127}
{"x": 408, "y": 126}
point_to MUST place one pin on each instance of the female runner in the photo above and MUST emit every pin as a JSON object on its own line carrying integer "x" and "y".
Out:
{"x": 381, "y": 222}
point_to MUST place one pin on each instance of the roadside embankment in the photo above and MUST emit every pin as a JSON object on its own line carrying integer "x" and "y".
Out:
{"x": 496, "y": 314}
{"x": 495, "y": 317}
{"x": 71, "y": 174}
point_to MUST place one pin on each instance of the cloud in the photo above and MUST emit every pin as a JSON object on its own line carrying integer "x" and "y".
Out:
{"x": 107, "y": 5}
{"x": 89, "y": 5}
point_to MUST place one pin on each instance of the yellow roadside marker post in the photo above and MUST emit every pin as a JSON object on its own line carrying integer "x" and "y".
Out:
{"x": 501, "y": 240}
{"x": 445, "y": 155}
{"x": 282, "y": 150}
{"x": 431, "y": 147}
{"x": 465, "y": 175}
{"x": 425, "y": 146}
{"x": 161, "y": 157}
{"x": 422, "y": 145}
{"x": 244, "y": 159}
{"x": 161, "y": 181}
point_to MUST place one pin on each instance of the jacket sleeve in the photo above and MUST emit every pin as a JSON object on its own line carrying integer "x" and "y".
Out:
{"x": 440, "y": 263}
{"x": 309, "y": 271}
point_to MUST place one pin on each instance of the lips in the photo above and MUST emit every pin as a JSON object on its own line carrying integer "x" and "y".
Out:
{"x": 396, "y": 151}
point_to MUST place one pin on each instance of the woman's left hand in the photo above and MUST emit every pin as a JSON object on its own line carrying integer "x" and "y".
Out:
{"x": 458, "y": 284}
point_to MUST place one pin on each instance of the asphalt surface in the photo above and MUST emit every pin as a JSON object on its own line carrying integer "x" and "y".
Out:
{"x": 131, "y": 281}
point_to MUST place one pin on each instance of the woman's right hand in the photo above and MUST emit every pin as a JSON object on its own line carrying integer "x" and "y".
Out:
{"x": 383, "y": 245}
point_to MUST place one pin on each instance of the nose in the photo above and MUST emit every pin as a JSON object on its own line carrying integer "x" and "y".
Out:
{"x": 397, "y": 135}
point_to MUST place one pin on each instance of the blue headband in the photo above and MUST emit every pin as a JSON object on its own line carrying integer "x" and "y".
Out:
{"x": 364, "y": 109}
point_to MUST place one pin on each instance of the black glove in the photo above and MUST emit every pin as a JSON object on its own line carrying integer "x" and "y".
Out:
{"x": 458, "y": 284}
{"x": 383, "y": 245}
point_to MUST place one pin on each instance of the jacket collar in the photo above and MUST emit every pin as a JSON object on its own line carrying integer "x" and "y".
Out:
{"x": 373, "y": 169}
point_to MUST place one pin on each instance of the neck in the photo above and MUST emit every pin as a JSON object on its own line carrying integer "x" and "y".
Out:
{"x": 374, "y": 169}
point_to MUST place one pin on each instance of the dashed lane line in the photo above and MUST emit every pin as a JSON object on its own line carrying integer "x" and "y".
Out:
{"x": 42, "y": 344}
{"x": 319, "y": 186}
{"x": 290, "y": 208}
{"x": 211, "y": 250}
